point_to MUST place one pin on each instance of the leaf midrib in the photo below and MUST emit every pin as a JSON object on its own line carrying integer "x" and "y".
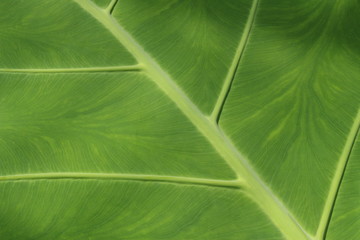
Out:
{"x": 256, "y": 188}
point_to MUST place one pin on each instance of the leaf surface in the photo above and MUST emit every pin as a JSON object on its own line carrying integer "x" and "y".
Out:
{"x": 345, "y": 221}
{"x": 179, "y": 119}
{"x": 295, "y": 98}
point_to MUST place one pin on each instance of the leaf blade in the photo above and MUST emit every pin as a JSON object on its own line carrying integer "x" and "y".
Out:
{"x": 345, "y": 217}
{"x": 292, "y": 104}
{"x": 81, "y": 209}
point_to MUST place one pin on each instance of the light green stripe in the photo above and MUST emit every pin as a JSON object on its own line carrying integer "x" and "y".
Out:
{"x": 116, "y": 176}
{"x": 111, "y": 6}
{"x": 336, "y": 181}
{"x": 215, "y": 115}
{"x": 71, "y": 70}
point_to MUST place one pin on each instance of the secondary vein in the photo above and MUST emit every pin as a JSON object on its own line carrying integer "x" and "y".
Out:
{"x": 225, "y": 90}
{"x": 72, "y": 70}
{"x": 119, "y": 176}
{"x": 256, "y": 188}
{"x": 111, "y": 6}
{"x": 337, "y": 179}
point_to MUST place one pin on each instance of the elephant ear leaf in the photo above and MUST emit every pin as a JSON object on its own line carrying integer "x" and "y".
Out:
{"x": 132, "y": 119}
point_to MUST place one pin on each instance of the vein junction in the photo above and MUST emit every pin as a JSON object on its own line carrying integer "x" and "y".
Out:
{"x": 111, "y": 6}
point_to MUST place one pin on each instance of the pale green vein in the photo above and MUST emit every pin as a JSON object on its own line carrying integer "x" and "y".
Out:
{"x": 72, "y": 70}
{"x": 215, "y": 115}
{"x": 111, "y": 6}
{"x": 117, "y": 176}
{"x": 336, "y": 180}
{"x": 256, "y": 188}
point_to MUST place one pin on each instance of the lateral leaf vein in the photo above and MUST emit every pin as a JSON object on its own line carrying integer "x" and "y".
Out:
{"x": 120, "y": 176}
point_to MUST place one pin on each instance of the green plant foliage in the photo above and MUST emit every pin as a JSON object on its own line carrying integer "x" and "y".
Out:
{"x": 169, "y": 119}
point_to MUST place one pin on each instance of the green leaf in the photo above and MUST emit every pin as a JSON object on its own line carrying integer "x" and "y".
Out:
{"x": 345, "y": 220}
{"x": 167, "y": 119}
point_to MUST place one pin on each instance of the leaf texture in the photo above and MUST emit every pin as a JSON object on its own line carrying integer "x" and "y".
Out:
{"x": 224, "y": 120}
{"x": 345, "y": 217}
